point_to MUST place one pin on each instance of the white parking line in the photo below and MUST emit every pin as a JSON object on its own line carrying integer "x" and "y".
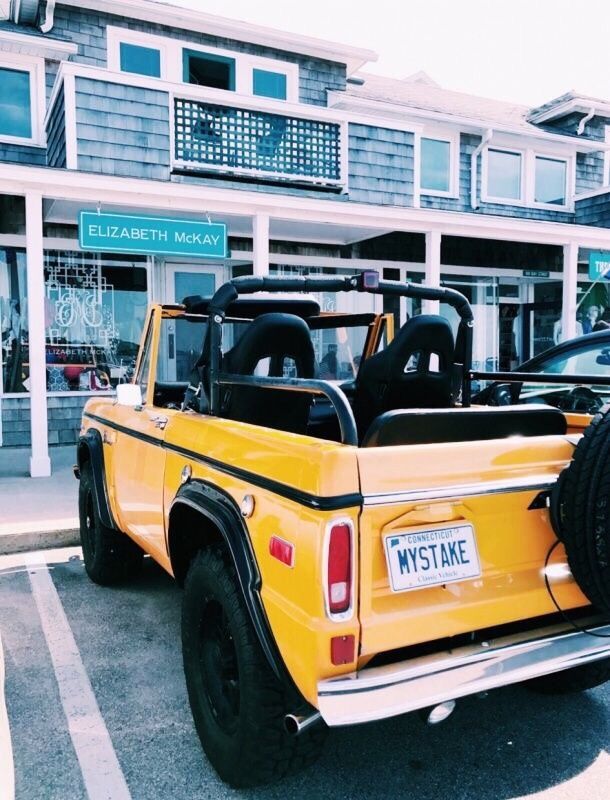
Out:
{"x": 102, "y": 774}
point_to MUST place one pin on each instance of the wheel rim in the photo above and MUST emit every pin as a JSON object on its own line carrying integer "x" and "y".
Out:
{"x": 219, "y": 666}
{"x": 89, "y": 528}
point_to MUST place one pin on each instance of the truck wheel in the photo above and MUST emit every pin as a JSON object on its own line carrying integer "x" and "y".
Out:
{"x": 109, "y": 556}
{"x": 581, "y": 512}
{"x": 238, "y": 703}
{"x": 577, "y": 679}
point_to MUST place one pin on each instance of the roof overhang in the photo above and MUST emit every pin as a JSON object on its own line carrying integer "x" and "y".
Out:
{"x": 398, "y": 111}
{"x": 576, "y": 104}
{"x": 187, "y": 19}
{"x": 53, "y": 49}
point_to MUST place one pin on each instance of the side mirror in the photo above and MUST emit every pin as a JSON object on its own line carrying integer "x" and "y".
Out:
{"x": 129, "y": 394}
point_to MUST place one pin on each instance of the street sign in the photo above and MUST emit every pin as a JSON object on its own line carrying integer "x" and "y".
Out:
{"x": 599, "y": 266}
{"x": 124, "y": 233}
{"x": 536, "y": 273}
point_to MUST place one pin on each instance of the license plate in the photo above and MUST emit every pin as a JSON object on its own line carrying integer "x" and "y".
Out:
{"x": 429, "y": 557}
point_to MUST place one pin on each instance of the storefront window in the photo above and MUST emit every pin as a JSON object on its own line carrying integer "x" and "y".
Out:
{"x": 13, "y": 322}
{"x": 95, "y": 312}
{"x": 482, "y": 294}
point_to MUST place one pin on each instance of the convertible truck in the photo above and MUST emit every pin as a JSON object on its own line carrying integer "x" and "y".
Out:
{"x": 355, "y": 539}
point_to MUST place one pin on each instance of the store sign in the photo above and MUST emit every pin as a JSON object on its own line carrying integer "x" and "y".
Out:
{"x": 599, "y": 266}
{"x": 536, "y": 273}
{"x": 123, "y": 233}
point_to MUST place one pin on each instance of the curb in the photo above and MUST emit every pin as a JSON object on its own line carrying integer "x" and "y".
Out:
{"x": 38, "y": 540}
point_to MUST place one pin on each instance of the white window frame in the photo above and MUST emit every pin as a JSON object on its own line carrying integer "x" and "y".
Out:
{"x": 567, "y": 194}
{"x": 486, "y": 197}
{"x": 453, "y": 139}
{"x": 35, "y": 67}
{"x": 606, "y": 178}
{"x": 528, "y": 178}
{"x": 172, "y": 60}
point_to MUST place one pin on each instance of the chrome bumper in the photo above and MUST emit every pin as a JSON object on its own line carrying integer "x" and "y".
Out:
{"x": 393, "y": 689}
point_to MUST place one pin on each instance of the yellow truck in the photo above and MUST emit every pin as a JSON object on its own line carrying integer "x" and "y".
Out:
{"x": 356, "y": 538}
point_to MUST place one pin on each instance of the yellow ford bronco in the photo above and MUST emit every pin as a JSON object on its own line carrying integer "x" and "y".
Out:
{"x": 356, "y": 538}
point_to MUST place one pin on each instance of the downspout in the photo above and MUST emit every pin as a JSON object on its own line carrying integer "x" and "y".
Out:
{"x": 48, "y": 21}
{"x": 584, "y": 120}
{"x": 474, "y": 203}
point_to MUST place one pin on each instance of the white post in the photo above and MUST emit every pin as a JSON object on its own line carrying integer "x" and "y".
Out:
{"x": 570, "y": 291}
{"x": 40, "y": 463}
{"x": 432, "y": 276}
{"x": 260, "y": 244}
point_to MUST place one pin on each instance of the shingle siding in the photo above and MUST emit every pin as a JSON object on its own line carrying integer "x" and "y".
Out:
{"x": 594, "y": 210}
{"x": 380, "y": 166}
{"x": 23, "y": 154}
{"x": 122, "y": 130}
{"x": 64, "y": 416}
{"x": 87, "y": 29}
{"x": 56, "y": 133}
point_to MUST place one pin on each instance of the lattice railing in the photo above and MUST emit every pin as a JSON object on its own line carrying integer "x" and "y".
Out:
{"x": 244, "y": 141}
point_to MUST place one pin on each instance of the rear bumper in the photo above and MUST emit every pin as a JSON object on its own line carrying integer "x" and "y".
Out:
{"x": 393, "y": 689}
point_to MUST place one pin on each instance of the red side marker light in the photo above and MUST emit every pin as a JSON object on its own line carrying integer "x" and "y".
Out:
{"x": 282, "y": 550}
{"x": 342, "y": 649}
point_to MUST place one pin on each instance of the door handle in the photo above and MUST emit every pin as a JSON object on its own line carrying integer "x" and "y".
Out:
{"x": 159, "y": 421}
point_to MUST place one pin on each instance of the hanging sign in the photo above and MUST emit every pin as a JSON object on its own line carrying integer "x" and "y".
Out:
{"x": 599, "y": 265}
{"x": 123, "y": 233}
{"x": 536, "y": 273}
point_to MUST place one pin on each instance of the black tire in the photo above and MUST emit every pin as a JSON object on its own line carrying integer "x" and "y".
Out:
{"x": 582, "y": 503}
{"x": 238, "y": 703}
{"x": 570, "y": 681}
{"x": 110, "y": 557}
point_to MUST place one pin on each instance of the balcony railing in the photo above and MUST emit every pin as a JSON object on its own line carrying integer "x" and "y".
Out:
{"x": 245, "y": 141}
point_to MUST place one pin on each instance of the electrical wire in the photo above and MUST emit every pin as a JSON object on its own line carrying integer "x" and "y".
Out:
{"x": 566, "y": 618}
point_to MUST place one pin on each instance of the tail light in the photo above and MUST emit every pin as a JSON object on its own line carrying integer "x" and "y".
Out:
{"x": 339, "y": 568}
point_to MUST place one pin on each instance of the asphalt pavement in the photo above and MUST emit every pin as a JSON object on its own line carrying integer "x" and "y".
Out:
{"x": 98, "y": 709}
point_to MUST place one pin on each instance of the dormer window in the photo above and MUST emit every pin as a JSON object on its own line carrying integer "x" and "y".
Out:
{"x": 140, "y": 60}
{"x": 504, "y": 170}
{"x": 21, "y": 98}
{"x": 207, "y": 69}
{"x": 550, "y": 181}
{"x": 438, "y": 164}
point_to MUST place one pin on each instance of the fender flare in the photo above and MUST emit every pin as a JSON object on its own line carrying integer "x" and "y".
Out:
{"x": 220, "y": 509}
{"x": 91, "y": 448}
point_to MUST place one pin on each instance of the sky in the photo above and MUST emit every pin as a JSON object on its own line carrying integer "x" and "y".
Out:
{"x": 522, "y": 51}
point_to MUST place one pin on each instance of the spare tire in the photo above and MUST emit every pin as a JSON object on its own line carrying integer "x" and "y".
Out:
{"x": 580, "y": 511}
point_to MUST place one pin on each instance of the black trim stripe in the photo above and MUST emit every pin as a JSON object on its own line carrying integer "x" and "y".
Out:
{"x": 333, "y": 503}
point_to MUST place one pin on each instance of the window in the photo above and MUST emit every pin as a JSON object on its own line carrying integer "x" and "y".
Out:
{"x": 14, "y": 354}
{"x": 15, "y": 103}
{"x": 140, "y": 60}
{"x": 435, "y": 165}
{"x": 504, "y": 174}
{"x": 143, "y": 376}
{"x": 550, "y": 181}
{"x": 269, "y": 84}
{"x": 206, "y": 69}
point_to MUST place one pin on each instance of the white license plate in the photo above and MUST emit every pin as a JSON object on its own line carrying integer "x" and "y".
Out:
{"x": 430, "y": 557}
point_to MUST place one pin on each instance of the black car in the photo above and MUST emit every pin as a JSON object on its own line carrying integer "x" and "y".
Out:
{"x": 587, "y": 355}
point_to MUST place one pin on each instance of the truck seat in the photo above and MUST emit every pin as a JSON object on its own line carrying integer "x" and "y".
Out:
{"x": 276, "y": 337}
{"x": 414, "y": 371}
{"x": 428, "y": 426}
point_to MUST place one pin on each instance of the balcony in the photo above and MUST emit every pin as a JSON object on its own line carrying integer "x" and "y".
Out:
{"x": 130, "y": 125}
{"x": 248, "y": 142}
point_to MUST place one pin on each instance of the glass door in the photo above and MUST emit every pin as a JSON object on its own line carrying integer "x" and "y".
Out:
{"x": 482, "y": 294}
{"x": 181, "y": 341}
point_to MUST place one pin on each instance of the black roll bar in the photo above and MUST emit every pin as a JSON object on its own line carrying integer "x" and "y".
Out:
{"x": 367, "y": 281}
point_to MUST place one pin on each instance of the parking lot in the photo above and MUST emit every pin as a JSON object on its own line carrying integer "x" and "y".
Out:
{"x": 105, "y": 714}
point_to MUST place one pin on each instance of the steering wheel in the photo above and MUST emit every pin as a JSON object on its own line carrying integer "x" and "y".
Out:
{"x": 581, "y": 400}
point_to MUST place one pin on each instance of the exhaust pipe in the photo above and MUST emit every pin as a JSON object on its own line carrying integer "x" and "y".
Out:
{"x": 295, "y": 725}
{"x": 439, "y": 713}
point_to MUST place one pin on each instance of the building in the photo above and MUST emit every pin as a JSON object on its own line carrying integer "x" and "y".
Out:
{"x": 113, "y": 113}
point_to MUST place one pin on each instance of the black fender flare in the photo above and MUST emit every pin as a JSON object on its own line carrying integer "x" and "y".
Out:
{"x": 221, "y": 510}
{"x": 90, "y": 449}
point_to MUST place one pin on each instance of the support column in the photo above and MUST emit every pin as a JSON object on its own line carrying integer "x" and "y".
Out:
{"x": 40, "y": 463}
{"x": 570, "y": 291}
{"x": 260, "y": 244}
{"x": 432, "y": 276}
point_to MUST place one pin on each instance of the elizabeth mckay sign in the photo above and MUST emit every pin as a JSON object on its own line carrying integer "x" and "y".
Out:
{"x": 123, "y": 233}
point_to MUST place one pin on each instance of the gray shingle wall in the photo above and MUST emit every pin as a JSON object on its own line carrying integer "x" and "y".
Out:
{"x": 23, "y": 154}
{"x": 122, "y": 130}
{"x": 88, "y": 30}
{"x": 64, "y": 415}
{"x": 380, "y": 166}
{"x": 594, "y": 211}
{"x": 56, "y": 133}
{"x": 468, "y": 144}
